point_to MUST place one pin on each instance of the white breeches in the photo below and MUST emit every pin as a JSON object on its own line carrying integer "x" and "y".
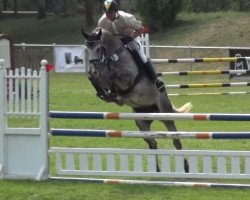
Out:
{"x": 136, "y": 45}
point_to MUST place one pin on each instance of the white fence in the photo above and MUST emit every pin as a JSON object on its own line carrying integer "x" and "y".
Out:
{"x": 142, "y": 163}
{"x": 31, "y": 54}
{"x": 6, "y": 50}
{"x": 23, "y": 151}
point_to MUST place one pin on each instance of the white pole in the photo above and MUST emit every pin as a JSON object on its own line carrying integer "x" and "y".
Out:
{"x": 44, "y": 106}
{"x": 86, "y": 59}
{"x": 2, "y": 116}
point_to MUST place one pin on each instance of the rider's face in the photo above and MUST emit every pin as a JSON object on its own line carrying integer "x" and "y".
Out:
{"x": 111, "y": 16}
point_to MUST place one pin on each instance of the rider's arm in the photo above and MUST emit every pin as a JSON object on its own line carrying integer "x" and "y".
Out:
{"x": 138, "y": 32}
{"x": 132, "y": 23}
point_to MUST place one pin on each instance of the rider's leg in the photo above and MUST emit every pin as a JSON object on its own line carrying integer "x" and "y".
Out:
{"x": 148, "y": 67}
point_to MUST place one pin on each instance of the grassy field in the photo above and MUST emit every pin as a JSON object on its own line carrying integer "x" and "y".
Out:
{"x": 74, "y": 92}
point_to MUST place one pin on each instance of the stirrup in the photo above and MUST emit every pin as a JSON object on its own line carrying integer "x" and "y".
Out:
{"x": 160, "y": 85}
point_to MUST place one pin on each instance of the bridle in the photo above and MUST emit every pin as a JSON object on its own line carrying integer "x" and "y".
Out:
{"x": 104, "y": 60}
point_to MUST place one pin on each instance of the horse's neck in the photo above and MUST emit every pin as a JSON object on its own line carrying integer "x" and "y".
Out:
{"x": 125, "y": 72}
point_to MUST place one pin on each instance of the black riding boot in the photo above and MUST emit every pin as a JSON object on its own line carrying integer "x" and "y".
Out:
{"x": 150, "y": 72}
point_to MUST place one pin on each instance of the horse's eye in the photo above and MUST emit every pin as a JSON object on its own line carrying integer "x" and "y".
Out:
{"x": 98, "y": 49}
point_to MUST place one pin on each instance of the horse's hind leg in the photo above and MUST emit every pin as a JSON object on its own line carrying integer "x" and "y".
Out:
{"x": 152, "y": 144}
{"x": 177, "y": 143}
{"x": 166, "y": 106}
{"x": 171, "y": 127}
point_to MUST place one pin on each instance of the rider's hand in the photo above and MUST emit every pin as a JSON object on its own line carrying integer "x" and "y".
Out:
{"x": 126, "y": 40}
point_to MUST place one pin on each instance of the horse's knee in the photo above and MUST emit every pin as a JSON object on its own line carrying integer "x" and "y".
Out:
{"x": 151, "y": 143}
{"x": 177, "y": 144}
{"x": 170, "y": 125}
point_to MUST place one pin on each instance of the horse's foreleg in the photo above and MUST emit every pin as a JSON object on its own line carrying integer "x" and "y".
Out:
{"x": 152, "y": 144}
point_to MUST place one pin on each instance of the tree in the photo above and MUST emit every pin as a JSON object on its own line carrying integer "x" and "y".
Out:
{"x": 88, "y": 12}
{"x": 5, "y": 4}
{"x": 241, "y": 5}
{"x": 41, "y": 9}
{"x": 15, "y": 7}
{"x": 215, "y": 5}
{"x": 158, "y": 14}
{"x": 1, "y": 8}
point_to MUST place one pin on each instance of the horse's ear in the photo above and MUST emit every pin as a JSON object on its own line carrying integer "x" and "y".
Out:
{"x": 99, "y": 34}
{"x": 85, "y": 34}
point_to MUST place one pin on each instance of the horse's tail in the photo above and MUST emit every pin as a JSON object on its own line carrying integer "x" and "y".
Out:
{"x": 184, "y": 109}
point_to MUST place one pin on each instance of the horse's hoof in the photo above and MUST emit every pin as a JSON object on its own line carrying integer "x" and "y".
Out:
{"x": 186, "y": 166}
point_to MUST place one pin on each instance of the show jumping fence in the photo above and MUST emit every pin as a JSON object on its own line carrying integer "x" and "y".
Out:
{"x": 199, "y": 60}
{"x": 209, "y": 93}
{"x": 204, "y": 85}
{"x": 149, "y": 134}
{"x": 206, "y": 72}
{"x": 24, "y": 152}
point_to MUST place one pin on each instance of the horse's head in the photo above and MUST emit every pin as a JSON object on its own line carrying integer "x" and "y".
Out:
{"x": 111, "y": 66}
{"x": 95, "y": 51}
{"x": 100, "y": 44}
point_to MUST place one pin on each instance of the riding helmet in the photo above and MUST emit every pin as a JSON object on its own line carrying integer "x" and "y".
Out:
{"x": 110, "y": 6}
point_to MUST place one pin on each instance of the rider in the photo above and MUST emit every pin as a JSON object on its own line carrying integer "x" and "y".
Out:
{"x": 119, "y": 22}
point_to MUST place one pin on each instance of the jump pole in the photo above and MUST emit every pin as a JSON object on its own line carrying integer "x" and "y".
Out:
{"x": 209, "y": 94}
{"x": 149, "y": 134}
{"x": 204, "y": 85}
{"x": 162, "y": 183}
{"x": 150, "y": 116}
{"x": 199, "y": 60}
{"x": 208, "y": 72}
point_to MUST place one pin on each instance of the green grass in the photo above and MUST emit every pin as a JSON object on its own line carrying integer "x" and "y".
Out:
{"x": 81, "y": 97}
{"x": 53, "y": 190}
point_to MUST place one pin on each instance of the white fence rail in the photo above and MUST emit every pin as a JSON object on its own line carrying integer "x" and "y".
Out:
{"x": 142, "y": 163}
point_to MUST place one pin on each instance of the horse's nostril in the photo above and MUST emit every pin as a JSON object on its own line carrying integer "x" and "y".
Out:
{"x": 95, "y": 72}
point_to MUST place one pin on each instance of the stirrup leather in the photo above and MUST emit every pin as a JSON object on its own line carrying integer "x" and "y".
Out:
{"x": 160, "y": 85}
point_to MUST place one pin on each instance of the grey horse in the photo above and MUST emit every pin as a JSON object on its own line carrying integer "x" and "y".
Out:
{"x": 118, "y": 77}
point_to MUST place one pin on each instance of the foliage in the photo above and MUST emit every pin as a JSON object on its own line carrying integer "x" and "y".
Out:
{"x": 215, "y": 5}
{"x": 158, "y": 14}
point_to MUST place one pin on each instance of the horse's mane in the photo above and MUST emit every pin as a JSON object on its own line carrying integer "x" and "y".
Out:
{"x": 107, "y": 37}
